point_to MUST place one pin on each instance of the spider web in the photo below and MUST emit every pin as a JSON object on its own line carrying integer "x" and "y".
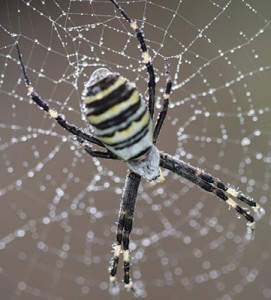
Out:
{"x": 58, "y": 206}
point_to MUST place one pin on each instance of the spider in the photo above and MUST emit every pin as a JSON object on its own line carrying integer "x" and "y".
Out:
{"x": 123, "y": 126}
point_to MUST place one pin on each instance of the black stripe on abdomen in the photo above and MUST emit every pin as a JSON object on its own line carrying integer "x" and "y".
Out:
{"x": 120, "y": 118}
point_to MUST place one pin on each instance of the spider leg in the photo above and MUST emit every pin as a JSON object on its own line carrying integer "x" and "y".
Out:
{"x": 124, "y": 227}
{"x": 215, "y": 186}
{"x": 145, "y": 55}
{"x": 95, "y": 153}
{"x": 163, "y": 112}
{"x": 54, "y": 114}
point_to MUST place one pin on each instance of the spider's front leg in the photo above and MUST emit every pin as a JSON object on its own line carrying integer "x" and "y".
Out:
{"x": 213, "y": 185}
{"x": 124, "y": 227}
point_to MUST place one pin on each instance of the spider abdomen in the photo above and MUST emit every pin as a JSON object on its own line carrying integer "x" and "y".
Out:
{"x": 118, "y": 114}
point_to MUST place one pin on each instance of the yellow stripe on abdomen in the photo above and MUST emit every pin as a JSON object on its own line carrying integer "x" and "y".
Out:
{"x": 122, "y": 135}
{"x": 103, "y": 93}
{"x": 114, "y": 110}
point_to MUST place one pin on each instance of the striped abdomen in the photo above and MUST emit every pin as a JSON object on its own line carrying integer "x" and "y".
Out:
{"x": 118, "y": 114}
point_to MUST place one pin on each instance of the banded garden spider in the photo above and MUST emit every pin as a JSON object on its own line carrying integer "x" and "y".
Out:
{"x": 122, "y": 124}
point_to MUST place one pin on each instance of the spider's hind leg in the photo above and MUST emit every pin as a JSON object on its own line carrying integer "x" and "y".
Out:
{"x": 100, "y": 154}
{"x": 163, "y": 112}
{"x": 53, "y": 113}
{"x": 146, "y": 57}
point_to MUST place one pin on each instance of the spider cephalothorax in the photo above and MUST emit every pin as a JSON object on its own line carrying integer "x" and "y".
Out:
{"x": 123, "y": 127}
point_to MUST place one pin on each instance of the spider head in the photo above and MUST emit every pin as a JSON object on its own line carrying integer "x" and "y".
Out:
{"x": 148, "y": 167}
